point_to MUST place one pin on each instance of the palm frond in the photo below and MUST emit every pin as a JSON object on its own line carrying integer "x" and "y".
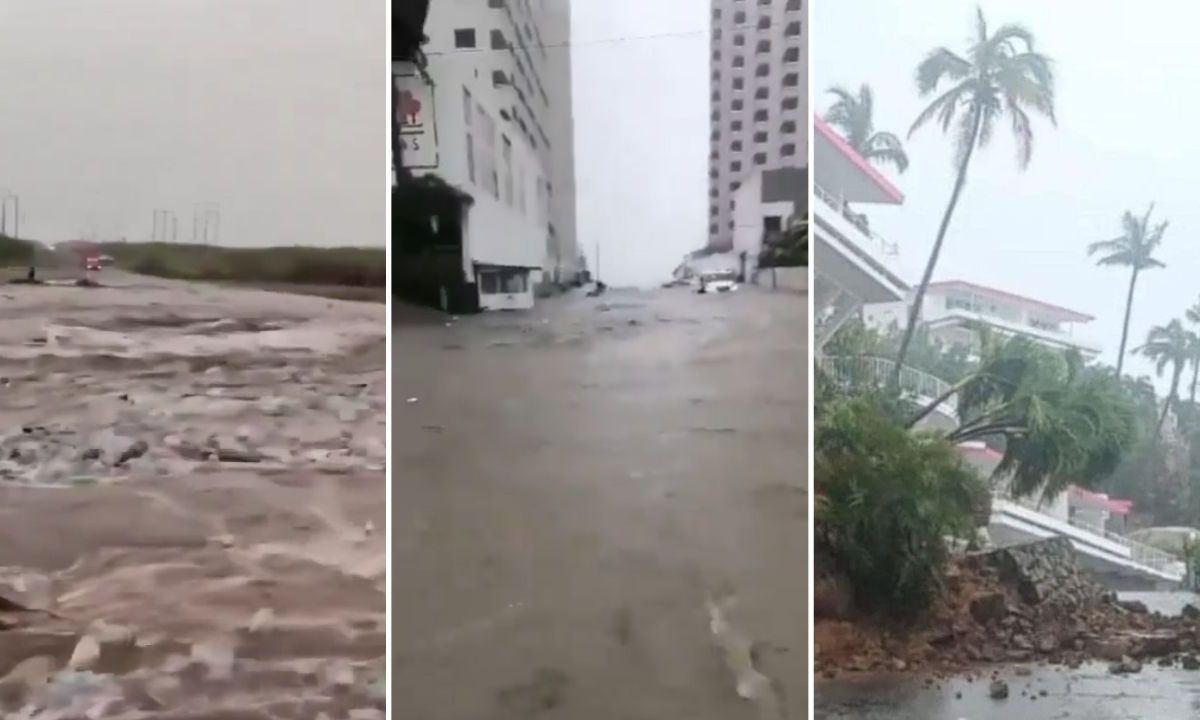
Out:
{"x": 941, "y": 63}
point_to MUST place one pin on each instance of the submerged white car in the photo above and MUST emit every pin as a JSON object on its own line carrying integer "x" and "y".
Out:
{"x": 720, "y": 281}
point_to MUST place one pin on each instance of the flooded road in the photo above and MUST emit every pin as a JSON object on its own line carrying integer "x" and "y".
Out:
{"x": 569, "y": 486}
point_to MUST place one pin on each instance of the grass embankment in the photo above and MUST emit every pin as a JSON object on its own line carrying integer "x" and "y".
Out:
{"x": 345, "y": 273}
{"x": 14, "y": 252}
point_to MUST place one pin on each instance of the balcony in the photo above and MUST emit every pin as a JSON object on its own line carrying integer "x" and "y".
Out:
{"x": 966, "y": 317}
{"x": 851, "y": 257}
{"x": 859, "y": 221}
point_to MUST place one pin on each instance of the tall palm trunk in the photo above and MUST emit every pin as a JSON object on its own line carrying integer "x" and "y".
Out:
{"x": 914, "y": 313}
{"x": 1125, "y": 327}
{"x": 1172, "y": 397}
{"x": 1195, "y": 377}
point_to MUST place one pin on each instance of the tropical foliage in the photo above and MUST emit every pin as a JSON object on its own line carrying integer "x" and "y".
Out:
{"x": 788, "y": 248}
{"x": 1133, "y": 248}
{"x": 1173, "y": 346}
{"x": 1002, "y": 76}
{"x": 888, "y": 498}
{"x": 854, "y": 115}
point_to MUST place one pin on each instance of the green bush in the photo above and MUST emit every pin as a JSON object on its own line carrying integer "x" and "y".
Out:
{"x": 348, "y": 266}
{"x": 888, "y": 499}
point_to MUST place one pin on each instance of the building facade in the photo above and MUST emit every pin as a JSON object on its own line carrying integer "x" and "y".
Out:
{"x": 498, "y": 79}
{"x": 759, "y": 99}
{"x": 952, "y": 310}
{"x": 853, "y": 265}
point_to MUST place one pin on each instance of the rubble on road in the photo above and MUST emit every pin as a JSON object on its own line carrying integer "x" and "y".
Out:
{"x": 1020, "y": 604}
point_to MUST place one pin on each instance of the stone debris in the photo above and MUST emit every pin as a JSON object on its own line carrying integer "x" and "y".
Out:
{"x": 1019, "y": 604}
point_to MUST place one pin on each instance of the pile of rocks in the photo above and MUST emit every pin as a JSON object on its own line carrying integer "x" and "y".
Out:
{"x": 1026, "y": 603}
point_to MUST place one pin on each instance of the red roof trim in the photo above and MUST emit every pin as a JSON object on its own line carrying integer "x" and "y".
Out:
{"x": 964, "y": 285}
{"x": 840, "y": 143}
{"x": 1113, "y": 505}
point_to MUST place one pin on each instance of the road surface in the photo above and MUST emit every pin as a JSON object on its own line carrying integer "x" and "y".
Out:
{"x": 570, "y": 484}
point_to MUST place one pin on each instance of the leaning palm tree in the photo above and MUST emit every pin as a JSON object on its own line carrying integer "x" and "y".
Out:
{"x": 1173, "y": 345}
{"x": 1001, "y": 75}
{"x": 1134, "y": 249}
{"x": 854, "y": 116}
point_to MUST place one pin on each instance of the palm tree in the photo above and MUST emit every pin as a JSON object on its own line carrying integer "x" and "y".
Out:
{"x": 1173, "y": 345}
{"x": 1060, "y": 421}
{"x": 1133, "y": 249}
{"x": 1001, "y": 75}
{"x": 854, "y": 116}
{"x": 1193, "y": 316}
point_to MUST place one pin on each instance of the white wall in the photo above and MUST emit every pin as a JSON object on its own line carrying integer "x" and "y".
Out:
{"x": 749, "y": 213}
{"x": 500, "y": 229}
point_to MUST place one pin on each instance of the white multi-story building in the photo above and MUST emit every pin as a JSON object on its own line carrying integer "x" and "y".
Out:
{"x": 759, "y": 95}
{"x": 501, "y": 119}
{"x": 952, "y": 310}
{"x": 852, "y": 265}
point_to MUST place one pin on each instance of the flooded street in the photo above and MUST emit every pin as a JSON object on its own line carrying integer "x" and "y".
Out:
{"x": 191, "y": 483}
{"x": 571, "y": 485}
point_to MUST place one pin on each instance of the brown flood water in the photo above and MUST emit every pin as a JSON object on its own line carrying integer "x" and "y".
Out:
{"x": 571, "y": 483}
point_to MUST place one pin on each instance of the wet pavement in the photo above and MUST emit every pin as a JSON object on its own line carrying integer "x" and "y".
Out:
{"x": 1035, "y": 692}
{"x": 571, "y": 484}
{"x": 1047, "y": 693}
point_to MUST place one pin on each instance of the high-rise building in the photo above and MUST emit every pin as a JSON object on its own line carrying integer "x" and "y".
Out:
{"x": 759, "y": 94}
{"x": 503, "y": 128}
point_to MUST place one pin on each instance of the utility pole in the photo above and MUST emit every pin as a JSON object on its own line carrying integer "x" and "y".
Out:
{"x": 16, "y": 216}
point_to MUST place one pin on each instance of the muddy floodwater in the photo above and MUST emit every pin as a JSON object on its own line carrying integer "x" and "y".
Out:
{"x": 569, "y": 486}
{"x": 1035, "y": 692}
{"x": 191, "y": 503}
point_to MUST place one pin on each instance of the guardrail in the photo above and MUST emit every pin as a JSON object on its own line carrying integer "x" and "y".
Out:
{"x": 1138, "y": 552}
{"x": 857, "y": 220}
{"x": 869, "y": 369}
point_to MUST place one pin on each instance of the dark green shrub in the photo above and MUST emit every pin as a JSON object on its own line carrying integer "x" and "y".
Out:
{"x": 888, "y": 500}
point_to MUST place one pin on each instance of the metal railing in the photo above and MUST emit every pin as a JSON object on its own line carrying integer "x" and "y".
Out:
{"x": 870, "y": 370}
{"x": 835, "y": 203}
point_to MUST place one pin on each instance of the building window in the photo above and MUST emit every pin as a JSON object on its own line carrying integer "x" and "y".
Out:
{"x": 716, "y": 95}
{"x": 712, "y": 173}
{"x": 464, "y": 38}
{"x": 736, "y": 146}
{"x": 713, "y": 210}
{"x": 716, "y": 55}
{"x": 760, "y": 116}
{"x": 739, "y": 83}
{"x": 791, "y": 103}
{"x": 762, "y": 93}
{"x": 712, "y": 229}
{"x": 716, "y": 74}
{"x": 470, "y": 157}
{"x": 739, "y": 61}
{"x": 791, "y": 55}
{"x": 760, "y": 158}
{"x": 713, "y": 193}
{"x": 739, "y": 17}
{"x": 716, "y": 33}
{"x": 791, "y": 80}
{"x": 738, "y": 104}
{"x": 733, "y": 186}
{"x": 485, "y": 130}
{"x": 764, "y": 22}
{"x": 764, "y": 3}
{"x": 764, "y": 47}
{"x": 788, "y": 150}
{"x": 495, "y": 3}
{"x": 498, "y": 41}
{"x": 716, "y": 13}
{"x": 730, "y": 224}
{"x": 763, "y": 70}
{"x": 788, "y": 127}
{"x": 716, "y": 115}
{"x": 735, "y": 166}
{"x": 736, "y": 125}
{"x": 739, "y": 40}
{"x": 760, "y": 136}
{"x": 716, "y": 135}
{"x": 792, "y": 29}
{"x": 503, "y": 282}
{"x": 792, "y": 5}
{"x": 506, "y": 168}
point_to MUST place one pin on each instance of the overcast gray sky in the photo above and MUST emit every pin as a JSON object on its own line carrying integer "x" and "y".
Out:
{"x": 641, "y": 134}
{"x": 1126, "y": 87}
{"x": 273, "y": 108}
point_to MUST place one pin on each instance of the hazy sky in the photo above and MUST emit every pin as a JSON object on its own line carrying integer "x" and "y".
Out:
{"x": 273, "y": 108}
{"x": 641, "y": 134}
{"x": 1127, "y": 86}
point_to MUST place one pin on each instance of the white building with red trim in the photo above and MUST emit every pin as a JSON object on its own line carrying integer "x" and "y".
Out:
{"x": 952, "y": 309}
{"x": 852, "y": 264}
